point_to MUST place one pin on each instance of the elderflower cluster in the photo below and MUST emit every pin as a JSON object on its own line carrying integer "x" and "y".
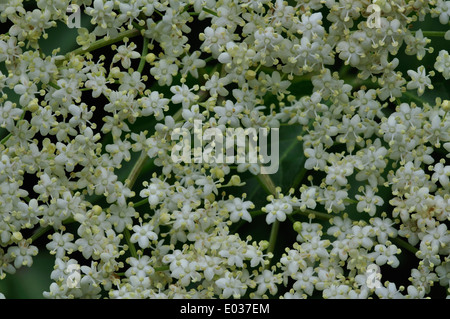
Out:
{"x": 86, "y": 170}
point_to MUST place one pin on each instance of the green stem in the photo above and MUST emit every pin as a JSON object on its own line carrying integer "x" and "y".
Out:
{"x": 400, "y": 242}
{"x": 127, "y": 235}
{"x": 100, "y": 44}
{"x": 140, "y": 203}
{"x": 143, "y": 55}
{"x": 159, "y": 13}
{"x": 162, "y": 268}
{"x": 137, "y": 26}
{"x": 273, "y": 236}
{"x": 6, "y": 138}
{"x": 238, "y": 225}
{"x": 304, "y": 78}
{"x": 439, "y": 34}
{"x": 415, "y": 97}
{"x": 210, "y": 58}
{"x": 309, "y": 212}
{"x": 256, "y": 213}
{"x": 214, "y": 13}
{"x": 54, "y": 85}
{"x": 134, "y": 174}
{"x": 298, "y": 179}
{"x": 287, "y": 150}
{"x": 270, "y": 187}
{"x": 131, "y": 179}
{"x": 177, "y": 116}
{"x": 41, "y": 231}
{"x": 267, "y": 184}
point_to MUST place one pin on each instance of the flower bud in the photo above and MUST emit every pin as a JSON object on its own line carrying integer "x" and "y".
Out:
{"x": 446, "y": 105}
{"x": 149, "y": 58}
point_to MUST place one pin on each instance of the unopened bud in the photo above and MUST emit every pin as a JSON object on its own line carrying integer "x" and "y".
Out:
{"x": 298, "y": 227}
{"x": 235, "y": 180}
{"x": 17, "y": 236}
{"x": 446, "y": 105}
{"x": 250, "y": 75}
{"x": 150, "y": 58}
{"x": 96, "y": 210}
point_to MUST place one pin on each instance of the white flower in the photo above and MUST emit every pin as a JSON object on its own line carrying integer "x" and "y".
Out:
{"x": 414, "y": 292}
{"x": 315, "y": 248}
{"x": 341, "y": 227}
{"x": 267, "y": 281}
{"x": 186, "y": 271}
{"x": 23, "y": 254}
{"x": 386, "y": 254}
{"x": 233, "y": 254}
{"x": 368, "y": 201}
{"x": 119, "y": 151}
{"x": 143, "y": 234}
{"x": 96, "y": 82}
{"x": 305, "y": 281}
{"x": 9, "y": 50}
{"x": 350, "y": 52}
{"x": 383, "y": 229}
{"x": 442, "y": 64}
{"x": 164, "y": 71}
{"x": 441, "y": 174}
{"x": 216, "y": 85}
{"x": 182, "y": 94}
{"x": 442, "y": 10}
{"x": 337, "y": 292}
{"x": 230, "y": 114}
{"x": 416, "y": 44}
{"x": 437, "y": 238}
{"x": 103, "y": 15}
{"x": 8, "y": 114}
{"x": 389, "y": 292}
{"x": 334, "y": 199}
{"x": 277, "y": 210}
{"x": 266, "y": 39}
{"x": 275, "y": 84}
{"x": 311, "y": 25}
{"x": 121, "y": 217}
{"x": 27, "y": 91}
{"x": 308, "y": 197}
{"x": 419, "y": 80}
{"x": 192, "y": 63}
{"x": 423, "y": 278}
{"x": 214, "y": 39}
{"x": 361, "y": 236}
{"x": 68, "y": 93}
{"x": 316, "y": 158}
{"x": 132, "y": 82}
{"x": 239, "y": 209}
{"x": 338, "y": 171}
{"x": 443, "y": 272}
{"x": 231, "y": 286}
{"x": 60, "y": 244}
{"x": 254, "y": 64}
{"x": 154, "y": 104}
{"x": 125, "y": 53}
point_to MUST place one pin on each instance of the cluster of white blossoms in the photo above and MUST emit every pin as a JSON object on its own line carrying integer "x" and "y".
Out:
{"x": 375, "y": 165}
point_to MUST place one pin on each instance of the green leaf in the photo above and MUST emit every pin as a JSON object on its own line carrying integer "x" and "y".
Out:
{"x": 63, "y": 37}
{"x": 291, "y": 165}
{"x": 30, "y": 282}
